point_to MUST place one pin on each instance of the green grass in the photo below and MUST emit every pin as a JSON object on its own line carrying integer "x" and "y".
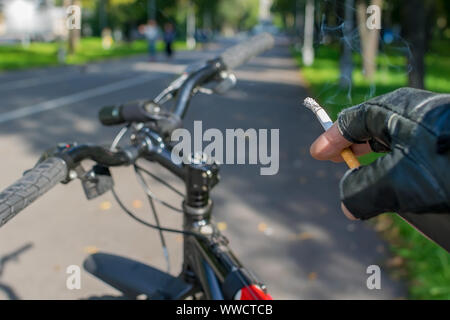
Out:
{"x": 427, "y": 266}
{"x": 13, "y": 57}
{"x": 36, "y": 55}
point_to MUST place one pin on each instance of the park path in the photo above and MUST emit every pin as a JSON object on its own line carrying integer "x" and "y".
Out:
{"x": 287, "y": 227}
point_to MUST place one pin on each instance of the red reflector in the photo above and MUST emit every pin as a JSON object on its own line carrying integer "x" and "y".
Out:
{"x": 252, "y": 293}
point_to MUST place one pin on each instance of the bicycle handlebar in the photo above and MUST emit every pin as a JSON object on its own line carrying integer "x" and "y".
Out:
{"x": 241, "y": 53}
{"x": 54, "y": 170}
{"x": 233, "y": 57}
{"x": 133, "y": 111}
{"x": 31, "y": 186}
{"x": 39, "y": 180}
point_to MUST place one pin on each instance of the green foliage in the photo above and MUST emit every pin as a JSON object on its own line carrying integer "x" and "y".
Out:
{"x": 284, "y": 8}
{"x": 427, "y": 265}
{"x": 37, "y": 55}
{"x": 238, "y": 14}
{"x": 207, "y": 8}
{"x": 90, "y": 49}
{"x": 323, "y": 75}
{"x": 128, "y": 14}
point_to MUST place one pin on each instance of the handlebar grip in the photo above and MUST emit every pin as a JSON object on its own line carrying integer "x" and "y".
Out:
{"x": 133, "y": 111}
{"x": 239, "y": 54}
{"x": 31, "y": 186}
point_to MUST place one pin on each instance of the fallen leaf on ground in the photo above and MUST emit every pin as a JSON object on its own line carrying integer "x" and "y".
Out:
{"x": 395, "y": 261}
{"x": 222, "y": 226}
{"x": 105, "y": 205}
{"x": 91, "y": 249}
{"x": 262, "y": 227}
{"x": 137, "y": 204}
{"x": 312, "y": 276}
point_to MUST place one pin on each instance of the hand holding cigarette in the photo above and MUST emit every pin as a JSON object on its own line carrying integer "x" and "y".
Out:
{"x": 380, "y": 186}
{"x": 340, "y": 145}
{"x": 333, "y": 146}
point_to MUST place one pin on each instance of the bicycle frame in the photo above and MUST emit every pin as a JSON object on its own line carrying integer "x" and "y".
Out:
{"x": 209, "y": 266}
{"x": 216, "y": 269}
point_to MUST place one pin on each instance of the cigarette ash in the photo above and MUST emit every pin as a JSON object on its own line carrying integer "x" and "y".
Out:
{"x": 312, "y": 104}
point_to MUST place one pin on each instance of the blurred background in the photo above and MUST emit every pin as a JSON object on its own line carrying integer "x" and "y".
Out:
{"x": 60, "y": 61}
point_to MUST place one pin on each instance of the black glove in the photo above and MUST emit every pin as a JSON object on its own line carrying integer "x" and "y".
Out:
{"x": 413, "y": 126}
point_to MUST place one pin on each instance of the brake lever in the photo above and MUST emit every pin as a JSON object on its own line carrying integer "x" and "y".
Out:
{"x": 224, "y": 82}
{"x": 57, "y": 151}
{"x": 203, "y": 90}
{"x": 227, "y": 82}
{"x": 171, "y": 90}
{"x": 97, "y": 181}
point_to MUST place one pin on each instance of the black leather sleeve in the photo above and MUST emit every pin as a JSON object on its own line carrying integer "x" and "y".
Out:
{"x": 413, "y": 127}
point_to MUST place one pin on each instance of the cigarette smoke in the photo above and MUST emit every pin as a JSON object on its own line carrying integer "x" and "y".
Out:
{"x": 390, "y": 41}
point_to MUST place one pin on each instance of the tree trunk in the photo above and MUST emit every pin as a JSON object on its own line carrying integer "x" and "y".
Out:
{"x": 369, "y": 38}
{"x": 299, "y": 24}
{"x": 190, "y": 26}
{"x": 346, "y": 57}
{"x": 102, "y": 16}
{"x": 299, "y": 18}
{"x": 151, "y": 8}
{"x": 416, "y": 35}
{"x": 308, "y": 40}
{"x": 74, "y": 33}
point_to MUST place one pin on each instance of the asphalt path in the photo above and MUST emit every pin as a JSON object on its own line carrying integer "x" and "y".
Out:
{"x": 287, "y": 228}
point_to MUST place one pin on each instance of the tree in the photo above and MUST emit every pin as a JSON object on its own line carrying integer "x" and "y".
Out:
{"x": 190, "y": 26}
{"x": 308, "y": 40}
{"x": 237, "y": 14}
{"x": 206, "y": 11}
{"x": 74, "y": 33}
{"x": 417, "y": 33}
{"x": 346, "y": 62}
{"x": 151, "y": 10}
{"x": 286, "y": 8}
{"x": 299, "y": 18}
{"x": 369, "y": 31}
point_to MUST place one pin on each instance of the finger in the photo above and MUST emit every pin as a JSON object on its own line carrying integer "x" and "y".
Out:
{"x": 367, "y": 191}
{"x": 361, "y": 149}
{"x": 347, "y": 213}
{"x": 358, "y": 150}
{"x": 377, "y": 118}
{"x": 393, "y": 183}
{"x": 329, "y": 145}
{"x": 383, "y": 186}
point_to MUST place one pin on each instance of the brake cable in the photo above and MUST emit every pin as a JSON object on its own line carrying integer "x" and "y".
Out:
{"x": 151, "y": 198}
{"x": 119, "y": 137}
{"x": 150, "y": 194}
{"x": 152, "y": 226}
{"x": 138, "y": 169}
{"x": 151, "y": 201}
{"x": 161, "y": 234}
{"x": 114, "y": 145}
{"x": 159, "y": 180}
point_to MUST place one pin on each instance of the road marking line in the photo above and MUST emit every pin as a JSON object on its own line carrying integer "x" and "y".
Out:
{"x": 73, "y": 98}
{"x": 35, "y": 81}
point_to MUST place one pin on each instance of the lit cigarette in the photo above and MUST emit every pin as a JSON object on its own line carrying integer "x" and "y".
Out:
{"x": 326, "y": 122}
